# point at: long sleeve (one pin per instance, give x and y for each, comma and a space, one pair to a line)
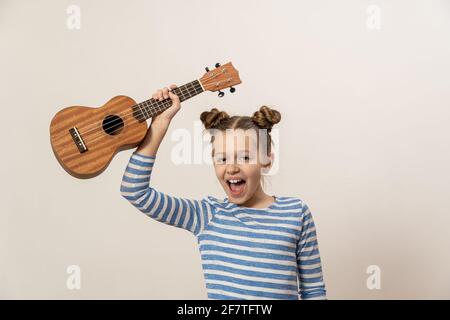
311, 283
192, 215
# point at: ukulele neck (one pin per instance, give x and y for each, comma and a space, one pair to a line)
151, 107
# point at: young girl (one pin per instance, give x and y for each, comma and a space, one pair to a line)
252, 245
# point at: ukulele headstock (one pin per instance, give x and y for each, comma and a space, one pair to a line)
223, 76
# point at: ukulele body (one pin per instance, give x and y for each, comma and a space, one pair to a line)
85, 139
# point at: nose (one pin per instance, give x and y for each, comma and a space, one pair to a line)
232, 168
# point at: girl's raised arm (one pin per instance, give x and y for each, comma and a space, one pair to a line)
192, 215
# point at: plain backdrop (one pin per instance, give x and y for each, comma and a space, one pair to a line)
364, 138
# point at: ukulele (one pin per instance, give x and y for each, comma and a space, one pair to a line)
85, 139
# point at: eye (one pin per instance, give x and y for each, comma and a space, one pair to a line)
244, 158
220, 160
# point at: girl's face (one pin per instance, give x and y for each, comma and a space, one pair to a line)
238, 162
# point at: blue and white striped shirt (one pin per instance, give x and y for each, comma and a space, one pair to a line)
246, 253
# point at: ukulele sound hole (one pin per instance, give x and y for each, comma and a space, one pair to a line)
112, 125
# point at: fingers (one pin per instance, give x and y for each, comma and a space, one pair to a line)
159, 95
174, 97
156, 95
164, 93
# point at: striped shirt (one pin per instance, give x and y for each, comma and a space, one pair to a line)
246, 253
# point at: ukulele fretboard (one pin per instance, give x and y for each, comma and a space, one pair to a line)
151, 107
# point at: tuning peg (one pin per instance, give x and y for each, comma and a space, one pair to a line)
207, 69
232, 89
221, 94
217, 65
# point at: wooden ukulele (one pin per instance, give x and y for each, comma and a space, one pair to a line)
85, 139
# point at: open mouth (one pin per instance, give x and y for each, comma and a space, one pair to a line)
236, 186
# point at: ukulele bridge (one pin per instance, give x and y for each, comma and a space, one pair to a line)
78, 140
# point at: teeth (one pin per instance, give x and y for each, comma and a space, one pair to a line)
234, 181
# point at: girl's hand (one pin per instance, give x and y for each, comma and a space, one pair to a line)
166, 116
160, 123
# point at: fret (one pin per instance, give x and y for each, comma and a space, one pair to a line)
175, 91
179, 93
199, 86
157, 107
190, 88
147, 109
194, 85
150, 107
187, 91
142, 116
144, 108
190, 83
161, 105
154, 108
144, 111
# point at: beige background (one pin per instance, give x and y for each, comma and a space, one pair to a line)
364, 138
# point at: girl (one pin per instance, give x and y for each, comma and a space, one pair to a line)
252, 245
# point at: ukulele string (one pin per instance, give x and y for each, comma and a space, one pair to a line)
118, 127
200, 86
152, 104
158, 106
141, 116
163, 103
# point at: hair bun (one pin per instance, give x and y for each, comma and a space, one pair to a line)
266, 117
212, 118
